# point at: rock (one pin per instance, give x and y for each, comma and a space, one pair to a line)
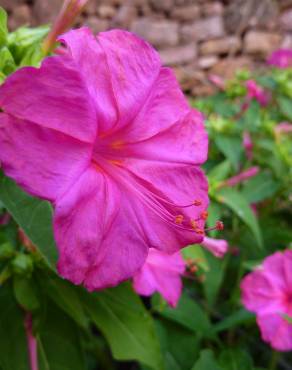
125, 16
162, 5
186, 13
21, 16
159, 33
203, 89
96, 24
106, 11
260, 42
286, 20
215, 8
287, 41
179, 55
227, 68
9, 5
220, 46
45, 11
204, 29
188, 76
207, 62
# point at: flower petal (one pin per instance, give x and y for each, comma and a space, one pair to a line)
98, 233
161, 272
163, 189
52, 96
260, 295
276, 331
119, 69
44, 162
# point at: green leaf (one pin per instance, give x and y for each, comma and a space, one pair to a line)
179, 345
260, 187
231, 147
220, 172
126, 324
59, 342
238, 203
32, 215
13, 346
239, 317
7, 64
285, 106
235, 359
25, 292
3, 27
206, 361
65, 295
188, 314
213, 278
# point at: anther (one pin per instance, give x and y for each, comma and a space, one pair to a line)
179, 219
199, 231
197, 202
218, 226
204, 215
194, 224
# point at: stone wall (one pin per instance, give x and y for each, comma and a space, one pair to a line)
196, 37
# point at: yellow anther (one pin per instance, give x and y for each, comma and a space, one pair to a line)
179, 219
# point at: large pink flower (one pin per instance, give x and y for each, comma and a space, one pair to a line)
161, 273
268, 292
254, 91
104, 133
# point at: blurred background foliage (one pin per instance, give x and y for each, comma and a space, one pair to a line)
115, 328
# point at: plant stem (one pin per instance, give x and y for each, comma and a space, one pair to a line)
31, 342
274, 360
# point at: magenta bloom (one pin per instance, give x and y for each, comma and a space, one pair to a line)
104, 133
254, 91
161, 273
267, 291
218, 247
248, 145
281, 58
283, 128
242, 176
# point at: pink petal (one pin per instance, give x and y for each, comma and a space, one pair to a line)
274, 270
98, 233
161, 272
260, 295
276, 331
171, 186
119, 69
44, 162
216, 246
53, 96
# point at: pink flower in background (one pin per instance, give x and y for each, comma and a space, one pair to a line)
281, 58
161, 273
105, 134
242, 176
267, 291
217, 81
248, 145
283, 128
254, 91
218, 247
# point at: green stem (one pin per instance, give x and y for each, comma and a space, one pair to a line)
274, 360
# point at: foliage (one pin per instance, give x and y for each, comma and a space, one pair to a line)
209, 329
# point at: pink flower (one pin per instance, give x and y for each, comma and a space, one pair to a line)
283, 127
281, 58
254, 91
267, 291
217, 81
68, 13
218, 247
106, 135
248, 145
242, 176
161, 273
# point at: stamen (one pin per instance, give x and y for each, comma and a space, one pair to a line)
197, 202
218, 226
194, 224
